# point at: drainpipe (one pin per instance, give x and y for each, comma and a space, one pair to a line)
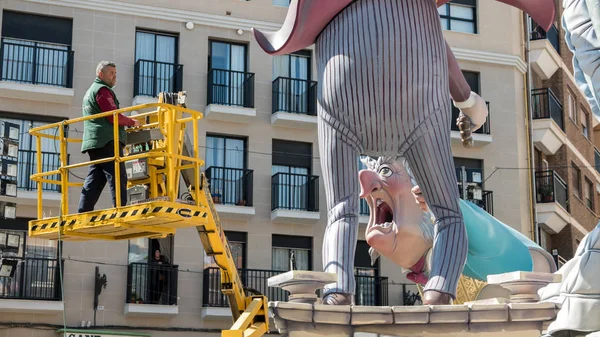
529, 121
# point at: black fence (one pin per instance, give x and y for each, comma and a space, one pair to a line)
230, 186
370, 290
36, 65
538, 33
294, 96
550, 187
295, 192
34, 279
486, 202
546, 105
255, 279
228, 87
27, 165
484, 129
152, 283
153, 77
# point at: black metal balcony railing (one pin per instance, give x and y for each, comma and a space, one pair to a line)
550, 187
153, 77
251, 278
486, 202
294, 96
295, 192
34, 279
231, 186
152, 283
485, 129
538, 33
545, 105
27, 165
370, 290
228, 87
597, 159
36, 65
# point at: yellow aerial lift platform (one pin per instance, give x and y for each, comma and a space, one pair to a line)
159, 153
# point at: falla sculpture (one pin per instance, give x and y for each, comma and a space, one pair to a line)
387, 80
401, 228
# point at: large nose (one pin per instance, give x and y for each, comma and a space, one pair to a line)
369, 182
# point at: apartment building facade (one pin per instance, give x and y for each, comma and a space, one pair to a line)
566, 141
258, 138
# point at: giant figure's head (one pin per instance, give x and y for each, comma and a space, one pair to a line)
398, 229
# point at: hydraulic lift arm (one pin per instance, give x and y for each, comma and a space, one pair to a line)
249, 312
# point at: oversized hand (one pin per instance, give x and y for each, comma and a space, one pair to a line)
419, 199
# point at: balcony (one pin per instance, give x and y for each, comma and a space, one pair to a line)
34, 288
481, 137
152, 77
294, 103
294, 198
151, 290
231, 190
545, 51
370, 290
548, 128
485, 201
230, 96
32, 72
551, 201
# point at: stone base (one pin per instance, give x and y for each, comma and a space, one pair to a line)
524, 286
490, 320
302, 284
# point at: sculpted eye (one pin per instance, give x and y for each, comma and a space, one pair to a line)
385, 171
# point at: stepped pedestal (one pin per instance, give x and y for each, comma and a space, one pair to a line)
519, 316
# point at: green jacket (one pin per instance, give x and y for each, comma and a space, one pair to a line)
98, 132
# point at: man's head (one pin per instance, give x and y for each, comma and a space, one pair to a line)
383, 184
107, 72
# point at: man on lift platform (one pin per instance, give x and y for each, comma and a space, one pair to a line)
98, 138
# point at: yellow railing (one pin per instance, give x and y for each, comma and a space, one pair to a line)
167, 118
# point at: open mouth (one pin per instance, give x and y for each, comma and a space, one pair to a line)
384, 216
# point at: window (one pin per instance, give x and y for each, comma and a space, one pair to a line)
283, 246
27, 163
155, 68
291, 78
227, 73
237, 244
584, 123
363, 206
459, 16
576, 180
293, 186
572, 107
225, 167
36, 49
589, 194
284, 3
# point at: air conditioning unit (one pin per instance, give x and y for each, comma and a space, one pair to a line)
8, 210
9, 148
8, 167
8, 187
10, 131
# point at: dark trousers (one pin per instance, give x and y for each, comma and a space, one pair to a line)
97, 177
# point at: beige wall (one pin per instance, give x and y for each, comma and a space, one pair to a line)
100, 35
